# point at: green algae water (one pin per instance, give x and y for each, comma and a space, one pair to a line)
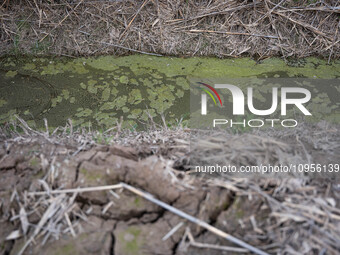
99, 91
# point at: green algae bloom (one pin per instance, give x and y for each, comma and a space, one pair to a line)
99, 90
11, 74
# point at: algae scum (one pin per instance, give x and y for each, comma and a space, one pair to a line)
99, 91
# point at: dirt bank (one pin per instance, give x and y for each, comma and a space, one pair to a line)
182, 28
265, 213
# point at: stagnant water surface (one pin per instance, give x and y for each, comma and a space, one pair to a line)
99, 91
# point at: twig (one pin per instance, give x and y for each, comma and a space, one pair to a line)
229, 33
25, 126
212, 246
70, 225
325, 9
172, 231
333, 43
78, 190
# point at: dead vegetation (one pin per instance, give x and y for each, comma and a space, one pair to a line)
306, 144
61, 190
187, 28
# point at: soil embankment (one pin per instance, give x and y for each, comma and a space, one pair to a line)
262, 213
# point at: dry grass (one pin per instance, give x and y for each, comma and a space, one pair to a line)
306, 144
191, 28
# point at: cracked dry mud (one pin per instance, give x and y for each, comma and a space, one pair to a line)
132, 225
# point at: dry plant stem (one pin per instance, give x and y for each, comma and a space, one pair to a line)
336, 32
78, 190
212, 246
325, 9
172, 231
229, 33
25, 126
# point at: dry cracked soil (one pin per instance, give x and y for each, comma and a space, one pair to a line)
130, 224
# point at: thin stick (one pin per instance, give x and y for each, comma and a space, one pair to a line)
213, 246
172, 231
336, 32
229, 33
325, 9
78, 190
194, 220
25, 125
70, 225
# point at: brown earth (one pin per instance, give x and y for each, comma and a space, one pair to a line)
129, 215
273, 215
